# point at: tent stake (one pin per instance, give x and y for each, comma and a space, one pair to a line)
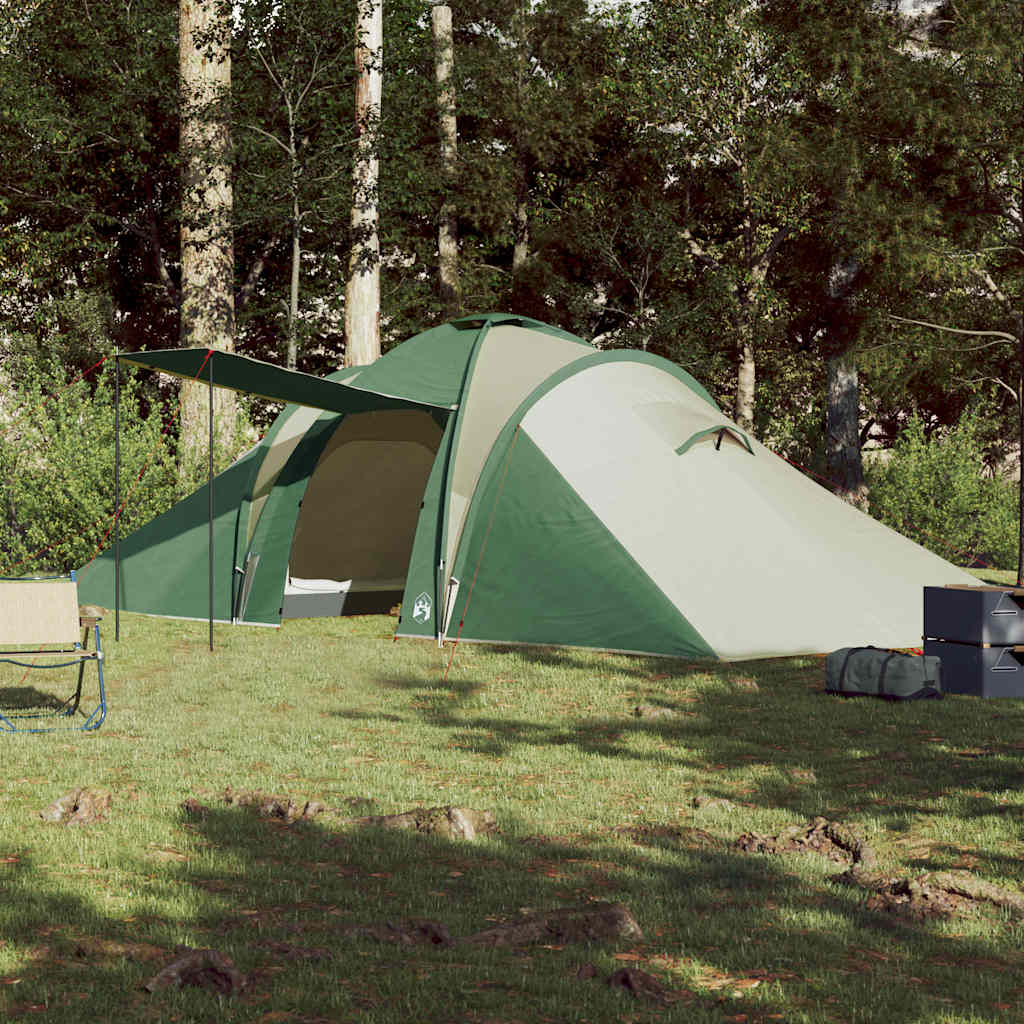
117, 495
209, 452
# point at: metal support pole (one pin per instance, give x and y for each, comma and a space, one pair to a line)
117, 495
210, 485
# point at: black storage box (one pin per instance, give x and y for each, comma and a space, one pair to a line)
980, 671
974, 615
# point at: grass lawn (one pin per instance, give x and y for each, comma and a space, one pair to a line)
593, 803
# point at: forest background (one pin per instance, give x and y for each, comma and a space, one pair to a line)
816, 207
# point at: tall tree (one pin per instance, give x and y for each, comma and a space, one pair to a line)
292, 79
362, 295
89, 188
974, 146
720, 92
526, 111
864, 99
854, 79
448, 226
207, 252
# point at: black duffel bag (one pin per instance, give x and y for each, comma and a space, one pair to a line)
875, 672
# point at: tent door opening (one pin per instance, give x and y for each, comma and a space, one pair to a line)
356, 524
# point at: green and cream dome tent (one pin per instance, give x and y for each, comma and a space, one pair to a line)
506, 482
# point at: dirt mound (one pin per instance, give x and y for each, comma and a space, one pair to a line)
451, 822
82, 806
199, 968
831, 839
286, 808
940, 894
410, 932
595, 922
658, 835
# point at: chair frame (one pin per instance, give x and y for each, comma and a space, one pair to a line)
63, 644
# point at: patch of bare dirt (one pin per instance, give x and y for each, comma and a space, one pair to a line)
192, 808
654, 711
409, 932
641, 985
710, 803
89, 947
595, 922
637, 983
655, 835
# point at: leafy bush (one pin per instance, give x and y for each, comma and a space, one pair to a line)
938, 492
57, 467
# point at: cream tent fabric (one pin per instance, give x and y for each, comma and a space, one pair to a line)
508, 365
760, 558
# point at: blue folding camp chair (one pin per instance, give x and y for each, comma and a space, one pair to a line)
39, 629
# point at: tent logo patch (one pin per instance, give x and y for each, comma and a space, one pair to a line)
421, 608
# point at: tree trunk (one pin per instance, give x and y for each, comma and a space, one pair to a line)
521, 229
362, 295
448, 230
842, 429
746, 364
295, 174
293, 297
1019, 317
1018, 323
842, 397
207, 255
521, 215
746, 379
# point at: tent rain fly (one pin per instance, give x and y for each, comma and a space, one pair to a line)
504, 481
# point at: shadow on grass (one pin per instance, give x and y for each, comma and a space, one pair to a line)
458, 690
757, 937
20, 697
743, 934
766, 736
368, 716
572, 658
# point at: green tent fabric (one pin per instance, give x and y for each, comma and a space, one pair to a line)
254, 377
504, 481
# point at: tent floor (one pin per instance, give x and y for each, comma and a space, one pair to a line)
307, 599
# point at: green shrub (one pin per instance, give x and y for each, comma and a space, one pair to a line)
57, 469
938, 492
57, 466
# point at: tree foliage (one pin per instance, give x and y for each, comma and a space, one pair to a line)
754, 189
56, 467
937, 491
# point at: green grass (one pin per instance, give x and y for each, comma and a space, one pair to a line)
337, 711
999, 577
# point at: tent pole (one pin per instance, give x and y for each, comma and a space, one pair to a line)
209, 452
117, 495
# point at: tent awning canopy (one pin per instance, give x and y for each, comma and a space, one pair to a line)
255, 377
